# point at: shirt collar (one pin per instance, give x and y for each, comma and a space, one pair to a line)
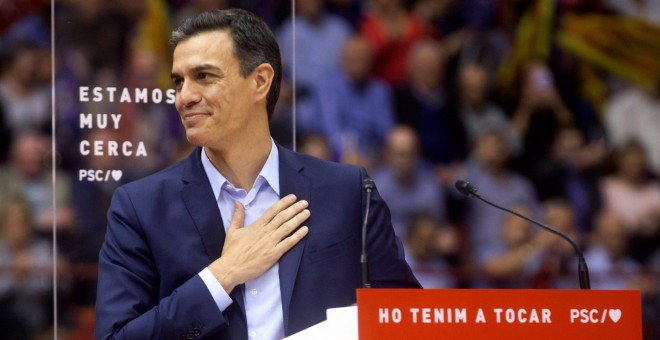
270, 172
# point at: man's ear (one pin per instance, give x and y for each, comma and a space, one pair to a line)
263, 78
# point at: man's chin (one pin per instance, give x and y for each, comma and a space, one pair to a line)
194, 138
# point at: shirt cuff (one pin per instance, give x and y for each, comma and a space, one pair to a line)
220, 296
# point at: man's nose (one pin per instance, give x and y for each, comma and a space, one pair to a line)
188, 95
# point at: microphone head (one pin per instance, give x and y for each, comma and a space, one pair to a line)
368, 184
465, 188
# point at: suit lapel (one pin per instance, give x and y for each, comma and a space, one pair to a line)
198, 198
292, 181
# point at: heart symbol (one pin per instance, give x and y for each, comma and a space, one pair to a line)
615, 315
116, 174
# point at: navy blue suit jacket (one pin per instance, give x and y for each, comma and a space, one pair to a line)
165, 228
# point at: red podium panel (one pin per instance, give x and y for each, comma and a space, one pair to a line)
498, 314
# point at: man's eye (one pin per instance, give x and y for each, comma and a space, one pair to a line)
177, 82
202, 76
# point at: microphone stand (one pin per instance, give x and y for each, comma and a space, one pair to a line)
583, 272
368, 186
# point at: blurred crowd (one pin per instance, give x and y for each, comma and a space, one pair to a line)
550, 108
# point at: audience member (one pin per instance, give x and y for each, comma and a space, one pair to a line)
558, 261
353, 108
609, 266
87, 31
427, 242
156, 124
441, 14
24, 94
27, 175
405, 182
27, 274
539, 113
318, 39
634, 198
350, 10
282, 122
422, 103
571, 172
516, 263
477, 112
392, 30
488, 171
632, 113
316, 145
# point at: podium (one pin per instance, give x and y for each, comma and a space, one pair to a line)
484, 314
499, 314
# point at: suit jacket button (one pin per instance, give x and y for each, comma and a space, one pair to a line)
197, 332
191, 335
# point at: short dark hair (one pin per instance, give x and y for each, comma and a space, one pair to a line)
254, 43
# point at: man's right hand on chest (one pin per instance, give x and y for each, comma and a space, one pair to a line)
250, 251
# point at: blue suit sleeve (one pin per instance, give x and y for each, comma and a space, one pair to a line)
128, 304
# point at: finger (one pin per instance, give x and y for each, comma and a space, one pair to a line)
276, 208
292, 240
287, 214
238, 219
289, 226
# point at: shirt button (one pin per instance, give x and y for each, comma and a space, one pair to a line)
247, 206
254, 291
253, 334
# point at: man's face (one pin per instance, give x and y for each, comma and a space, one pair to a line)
357, 59
214, 101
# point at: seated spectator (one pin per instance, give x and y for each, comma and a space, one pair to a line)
488, 171
318, 38
156, 124
352, 108
572, 172
476, 111
633, 114
404, 182
422, 103
27, 274
539, 114
609, 266
558, 261
634, 198
517, 262
315, 145
26, 175
24, 96
426, 243
392, 31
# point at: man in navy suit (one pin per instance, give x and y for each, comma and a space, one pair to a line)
243, 238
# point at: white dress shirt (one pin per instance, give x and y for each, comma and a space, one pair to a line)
263, 300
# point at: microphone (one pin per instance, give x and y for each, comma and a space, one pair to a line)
368, 186
468, 190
